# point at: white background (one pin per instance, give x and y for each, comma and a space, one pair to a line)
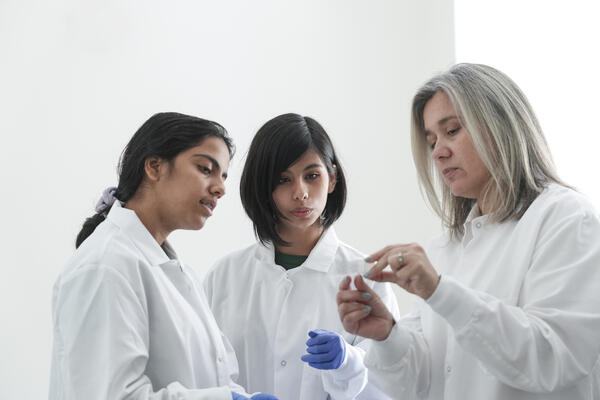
78, 78
551, 49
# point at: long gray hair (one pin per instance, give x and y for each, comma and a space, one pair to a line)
506, 135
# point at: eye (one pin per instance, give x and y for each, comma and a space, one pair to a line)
453, 132
312, 176
205, 170
432, 145
283, 180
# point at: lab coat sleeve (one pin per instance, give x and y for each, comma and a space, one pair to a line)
550, 340
102, 327
351, 380
233, 366
400, 365
384, 290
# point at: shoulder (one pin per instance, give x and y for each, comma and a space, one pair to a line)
559, 204
347, 252
106, 245
348, 260
106, 255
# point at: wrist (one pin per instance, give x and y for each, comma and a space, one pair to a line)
426, 295
389, 326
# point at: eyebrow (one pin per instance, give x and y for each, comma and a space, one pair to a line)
441, 122
213, 161
311, 166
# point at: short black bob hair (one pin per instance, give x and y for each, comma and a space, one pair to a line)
276, 146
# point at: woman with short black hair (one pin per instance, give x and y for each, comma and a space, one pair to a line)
269, 296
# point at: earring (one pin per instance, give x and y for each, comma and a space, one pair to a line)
323, 216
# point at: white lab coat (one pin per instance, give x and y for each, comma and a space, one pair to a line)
516, 314
131, 322
266, 312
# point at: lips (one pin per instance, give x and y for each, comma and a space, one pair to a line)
301, 212
449, 172
209, 205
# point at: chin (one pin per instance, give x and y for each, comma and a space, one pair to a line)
461, 192
196, 225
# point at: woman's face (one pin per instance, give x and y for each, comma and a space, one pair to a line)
191, 184
452, 149
301, 194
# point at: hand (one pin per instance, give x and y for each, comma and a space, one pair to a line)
263, 396
326, 349
362, 312
237, 396
415, 274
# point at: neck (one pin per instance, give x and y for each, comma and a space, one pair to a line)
301, 241
147, 212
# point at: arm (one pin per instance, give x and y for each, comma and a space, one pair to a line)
557, 322
397, 359
103, 331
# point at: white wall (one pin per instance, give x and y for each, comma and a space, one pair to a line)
550, 48
78, 78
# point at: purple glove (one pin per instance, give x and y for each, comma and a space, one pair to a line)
326, 349
263, 396
237, 396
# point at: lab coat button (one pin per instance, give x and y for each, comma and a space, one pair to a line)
283, 363
448, 369
478, 225
220, 359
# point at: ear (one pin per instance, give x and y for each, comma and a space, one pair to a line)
154, 167
332, 180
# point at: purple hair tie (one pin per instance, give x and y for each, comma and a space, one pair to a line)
106, 200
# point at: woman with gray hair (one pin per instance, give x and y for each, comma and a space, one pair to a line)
507, 305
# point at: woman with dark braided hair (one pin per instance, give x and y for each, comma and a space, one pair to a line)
130, 320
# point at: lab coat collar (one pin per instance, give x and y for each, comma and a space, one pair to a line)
128, 221
320, 258
475, 215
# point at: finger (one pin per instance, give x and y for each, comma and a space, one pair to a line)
321, 339
347, 308
353, 296
354, 317
377, 255
317, 332
362, 286
382, 262
345, 283
376, 269
317, 349
384, 276
318, 358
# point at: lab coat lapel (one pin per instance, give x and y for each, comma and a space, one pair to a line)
322, 255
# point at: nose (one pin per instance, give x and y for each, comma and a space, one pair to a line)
440, 151
300, 191
218, 187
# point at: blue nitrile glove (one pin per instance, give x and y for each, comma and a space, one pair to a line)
326, 349
263, 396
237, 396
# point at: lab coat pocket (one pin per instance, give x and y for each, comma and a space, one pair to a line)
311, 387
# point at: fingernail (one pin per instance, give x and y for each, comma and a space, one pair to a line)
348, 279
366, 295
368, 258
366, 274
367, 309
